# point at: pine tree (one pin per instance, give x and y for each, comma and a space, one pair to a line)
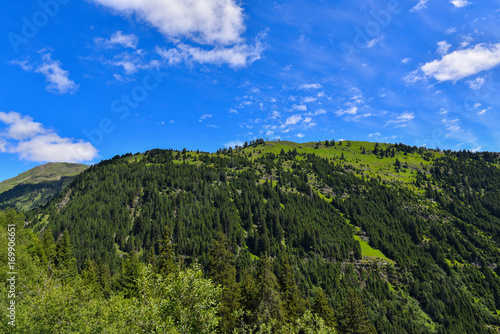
165, 263
64, 263
323, 309
353, 317
270, 306
293, 302
223, 272
49, 246
130, 273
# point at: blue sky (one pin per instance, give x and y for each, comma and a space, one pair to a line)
86, 80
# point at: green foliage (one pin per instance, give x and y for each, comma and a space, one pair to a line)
273, 224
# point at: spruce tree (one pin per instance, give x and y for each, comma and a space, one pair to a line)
165, 263
323, 309
223, 272
292, 299
64, 263
353, 317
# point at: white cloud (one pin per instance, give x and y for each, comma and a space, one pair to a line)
450, 30
317, 112
131, 62
57, 78
420, 5
300, 107
292, 120
400, 121
443, 47
233, 111
236, 56
216, 25
482, 112
406, 60
233, 143
477, 149
309, 99
119, 38
477, 83
460, 3
301, 135
350, 111
205, 116
210, 22
310, 86
20, 127
375, 41
464, 63
376, 134
33, 142
24, 64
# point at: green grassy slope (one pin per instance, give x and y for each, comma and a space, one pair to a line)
38, 185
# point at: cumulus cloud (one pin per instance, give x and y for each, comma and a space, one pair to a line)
57, 79
205, 21
216, 25
33, 142
119, 38
292, 120
301, 135
461, 64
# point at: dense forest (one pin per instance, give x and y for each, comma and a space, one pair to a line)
270, 237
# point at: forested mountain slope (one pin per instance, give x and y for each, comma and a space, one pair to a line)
412, 233
38, 185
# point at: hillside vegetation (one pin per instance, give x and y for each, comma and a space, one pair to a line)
38, 185
348, 237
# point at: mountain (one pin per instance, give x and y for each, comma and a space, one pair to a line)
385, 238
38, 185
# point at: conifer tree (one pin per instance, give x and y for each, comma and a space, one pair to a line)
353, 317
165, 262
130, 273
323, 309
64, 263
223, 272
293, 302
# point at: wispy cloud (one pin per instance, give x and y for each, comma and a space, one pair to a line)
310, 86
118, 38
57, 78
205, 116
400, 121
419, 6
33, 142
477, 83
443, 47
